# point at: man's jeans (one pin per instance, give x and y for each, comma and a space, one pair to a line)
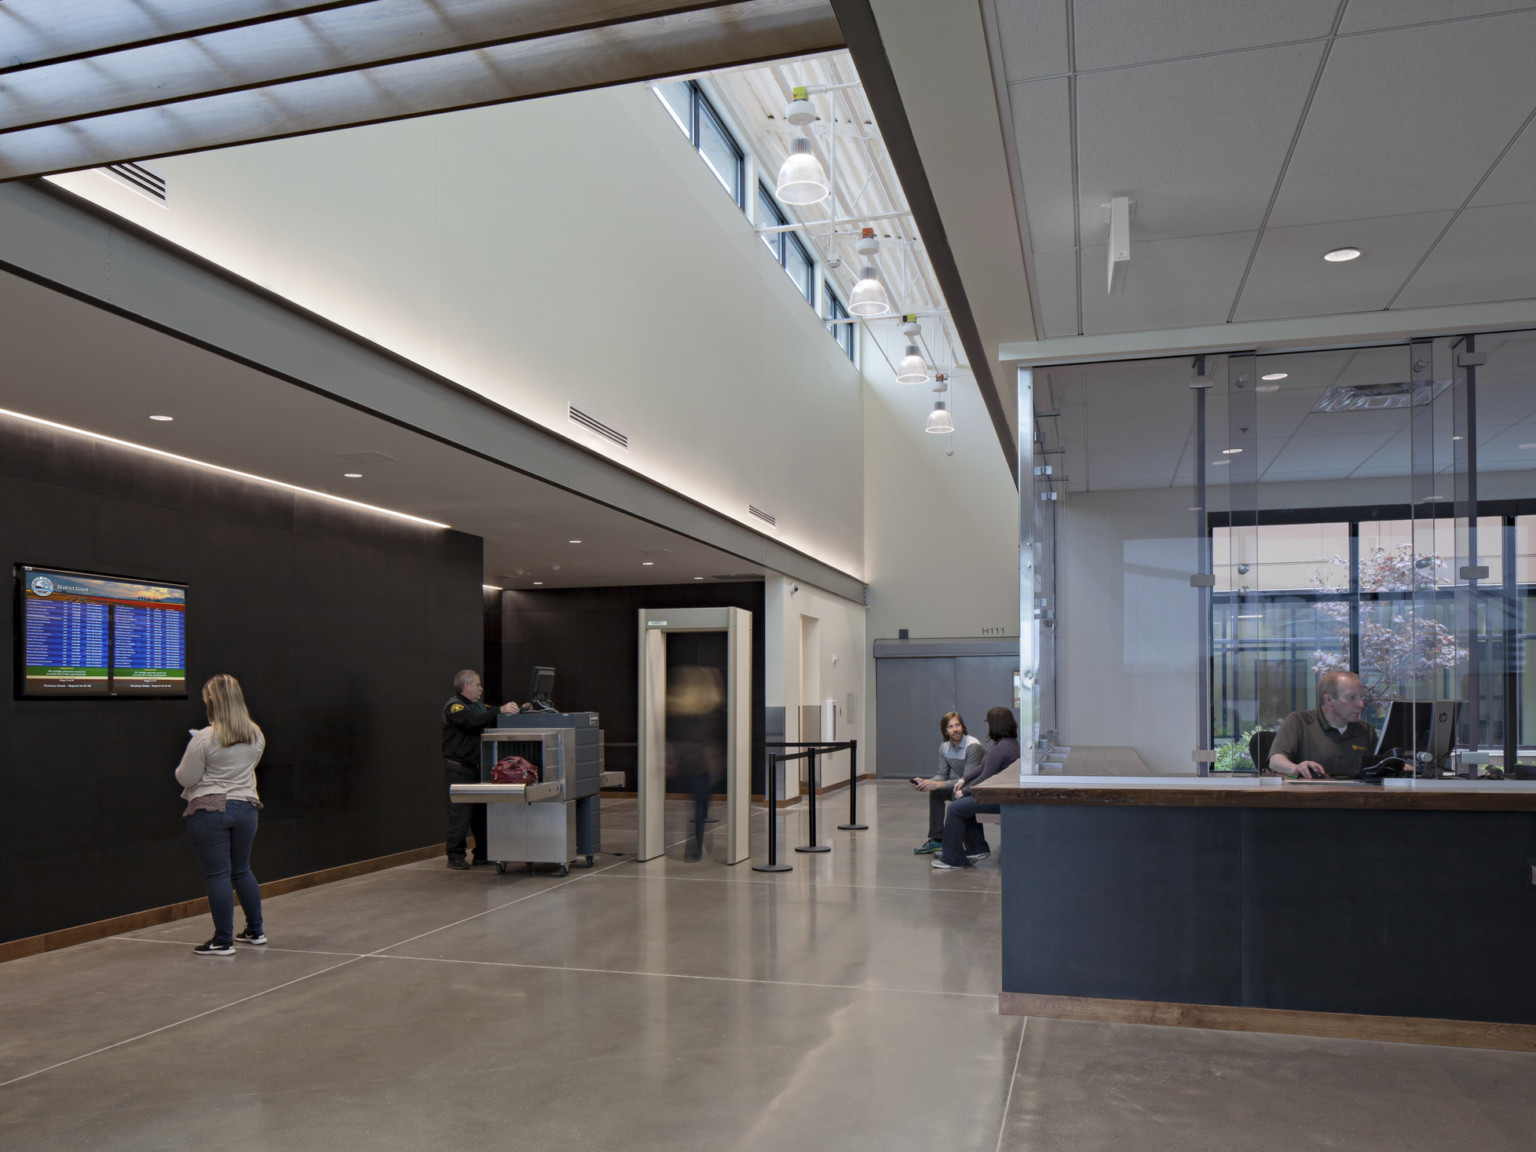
222, 841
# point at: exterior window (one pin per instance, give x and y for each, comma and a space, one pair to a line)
832, 309
697, 117
787, 248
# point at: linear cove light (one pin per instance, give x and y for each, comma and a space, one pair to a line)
104, 439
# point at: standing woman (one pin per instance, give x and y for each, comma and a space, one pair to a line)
218, 778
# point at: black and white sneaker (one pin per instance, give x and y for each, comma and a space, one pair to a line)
975, 856
249, 937
214, 948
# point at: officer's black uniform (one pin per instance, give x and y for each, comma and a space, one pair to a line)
463, 721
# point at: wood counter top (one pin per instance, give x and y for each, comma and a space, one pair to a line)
1259, 792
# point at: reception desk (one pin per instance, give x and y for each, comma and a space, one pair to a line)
1403, 911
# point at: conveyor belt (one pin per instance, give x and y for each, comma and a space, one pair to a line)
504, 793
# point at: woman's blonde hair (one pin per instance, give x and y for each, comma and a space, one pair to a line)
232, 724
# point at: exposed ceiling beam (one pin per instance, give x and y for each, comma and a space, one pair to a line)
356, 35
37, 32
868, 51
679, 42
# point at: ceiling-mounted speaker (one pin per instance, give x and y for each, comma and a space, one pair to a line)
1119, 242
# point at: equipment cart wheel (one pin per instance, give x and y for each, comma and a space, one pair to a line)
501, 867
565, 869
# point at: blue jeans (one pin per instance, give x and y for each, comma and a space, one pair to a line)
222, 841
962, 832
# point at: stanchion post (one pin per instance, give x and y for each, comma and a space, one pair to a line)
813, 846
853, 824
770, 801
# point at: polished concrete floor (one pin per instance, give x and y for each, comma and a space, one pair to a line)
850, 1003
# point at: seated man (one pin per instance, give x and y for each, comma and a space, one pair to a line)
964, 843
960, 755
1329, 740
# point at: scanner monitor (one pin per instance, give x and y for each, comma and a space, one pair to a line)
541, 688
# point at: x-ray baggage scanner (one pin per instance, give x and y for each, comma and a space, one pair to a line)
655, 623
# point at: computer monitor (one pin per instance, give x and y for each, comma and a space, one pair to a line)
541, 688
1413, 726
1442, 730
1406, 727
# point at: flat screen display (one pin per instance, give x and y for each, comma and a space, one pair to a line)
84, 634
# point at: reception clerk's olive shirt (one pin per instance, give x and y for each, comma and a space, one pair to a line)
1308, 736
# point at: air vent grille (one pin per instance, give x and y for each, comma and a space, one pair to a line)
761, 515
592, 424
140, 179
1375, 397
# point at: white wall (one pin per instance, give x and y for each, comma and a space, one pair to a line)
941, 539
566, 250
838, 669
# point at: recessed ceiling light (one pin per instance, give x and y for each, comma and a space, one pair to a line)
573, 541
1455, 437
647, 563
1274, 376
1196, 508
1230, 451
163, 419
538, 582
351, 475
1339, 255
1524, 447
698, 577
1219, 463
1266, 387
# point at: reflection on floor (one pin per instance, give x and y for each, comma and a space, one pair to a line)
849, 1003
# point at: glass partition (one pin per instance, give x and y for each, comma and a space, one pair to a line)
1215, 532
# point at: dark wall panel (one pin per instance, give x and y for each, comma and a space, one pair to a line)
344, 627
591, 638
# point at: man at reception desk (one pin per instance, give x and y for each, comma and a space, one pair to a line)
1329, 740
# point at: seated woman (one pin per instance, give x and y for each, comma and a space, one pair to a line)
964, 841
959, 754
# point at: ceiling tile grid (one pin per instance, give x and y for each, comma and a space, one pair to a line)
1301, 126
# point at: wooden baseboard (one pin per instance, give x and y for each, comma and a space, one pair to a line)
1230, 1018
100, 929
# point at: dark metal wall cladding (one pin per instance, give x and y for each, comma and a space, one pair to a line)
591, 637
344, 628
1391, 913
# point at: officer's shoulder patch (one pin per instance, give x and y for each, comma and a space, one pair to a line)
455, 707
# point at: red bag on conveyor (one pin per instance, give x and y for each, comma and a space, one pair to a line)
514, 770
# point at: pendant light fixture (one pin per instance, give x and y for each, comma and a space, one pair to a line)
868, 297
939, 420
912, 369
802, 180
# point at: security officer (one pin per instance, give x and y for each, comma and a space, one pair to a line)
463, 719
1329, 740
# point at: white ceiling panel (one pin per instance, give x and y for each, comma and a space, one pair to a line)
1513, 180
1170, 284
1364, 15
1131, 467
1335, 426
1042, 127
1056, 288
1112, 33
1137, 380
1198, 144
1147, 422
1504, 401
1290, 277
1034, 37
1488, 254
1508, 356
1409, 121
